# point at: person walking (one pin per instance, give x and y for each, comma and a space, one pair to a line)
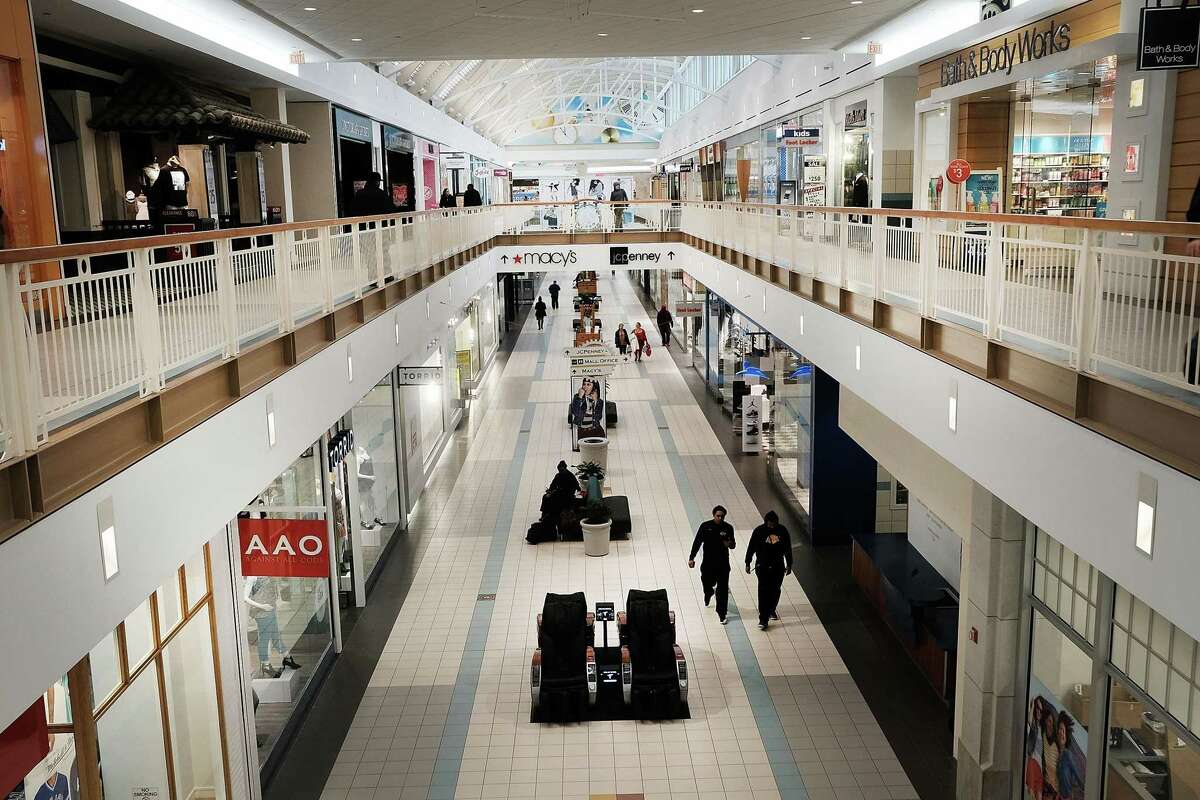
621, 340
448, 200
370, 199
554, 290
664, 325
618, 198
716, 537
539, 311
471, 197
639, 333
771, 545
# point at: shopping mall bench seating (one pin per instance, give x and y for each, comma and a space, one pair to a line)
618, 509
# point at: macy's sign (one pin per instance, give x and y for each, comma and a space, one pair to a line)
284, 548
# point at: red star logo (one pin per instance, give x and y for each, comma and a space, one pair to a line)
516, 259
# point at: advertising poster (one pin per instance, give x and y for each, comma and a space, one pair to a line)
56, 777
752, 409
284, 548
983, 192
1055, 748
586, 414
813, 191
429, 172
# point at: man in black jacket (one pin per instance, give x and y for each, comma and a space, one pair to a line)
772, 545
371, 199
664, 325
554, 290
618, 198
471, 197
716, 536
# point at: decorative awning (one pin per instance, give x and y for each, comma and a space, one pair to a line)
155, 101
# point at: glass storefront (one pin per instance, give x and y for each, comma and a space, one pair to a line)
155, 705
376, 472
431, 421
1143, 692
791, 445
287, 620
1062, 138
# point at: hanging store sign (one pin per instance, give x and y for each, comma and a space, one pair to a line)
689, 309
499, 173
284, 548
1026, 44
686, 166
351, 126
594, 359
420, 376
481, 173
397, 140
856, 114
1169, 37
803, 137
340, 446
454, 161
23, 744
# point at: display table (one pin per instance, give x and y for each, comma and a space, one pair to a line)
278, 690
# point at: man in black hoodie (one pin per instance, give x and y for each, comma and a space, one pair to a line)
772, 545
716, 536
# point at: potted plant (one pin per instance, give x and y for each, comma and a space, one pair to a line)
597, 526
591, 475
595, 448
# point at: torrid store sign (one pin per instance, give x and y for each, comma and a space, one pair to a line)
284, 548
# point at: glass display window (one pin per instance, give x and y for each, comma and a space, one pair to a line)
1062, 140
1056, 715
154, 726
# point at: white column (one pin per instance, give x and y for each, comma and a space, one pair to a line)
989, 632
277, 164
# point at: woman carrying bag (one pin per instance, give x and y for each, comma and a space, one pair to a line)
639, 333
621, 340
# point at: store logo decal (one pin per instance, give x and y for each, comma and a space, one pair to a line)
552, 257
1027, 45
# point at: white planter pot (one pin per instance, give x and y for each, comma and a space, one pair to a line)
594, 449
596, 538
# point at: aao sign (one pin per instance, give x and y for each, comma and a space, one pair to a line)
284, 548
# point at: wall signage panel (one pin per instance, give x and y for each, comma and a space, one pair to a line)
1018, 47
1169, 37
284, 548
351, 126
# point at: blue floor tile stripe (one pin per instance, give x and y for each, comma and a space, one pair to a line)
458, 721
770, 729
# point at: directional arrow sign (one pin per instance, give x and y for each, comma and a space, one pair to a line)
594, 359
671, 254
504, 259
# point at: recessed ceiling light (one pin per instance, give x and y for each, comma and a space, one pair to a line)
806, 38
602, 34
697, 10
355, 39
856, 2
309, 8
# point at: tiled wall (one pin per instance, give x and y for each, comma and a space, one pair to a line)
897, 178
888, 519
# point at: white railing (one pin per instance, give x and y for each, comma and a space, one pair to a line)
85, 325
1104, 296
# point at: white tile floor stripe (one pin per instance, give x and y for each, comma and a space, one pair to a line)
392, 747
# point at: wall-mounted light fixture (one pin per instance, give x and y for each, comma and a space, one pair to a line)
397, 323
801, 324
107, 525
349, 364
952, 407
858, 356
270, 421
1146, 512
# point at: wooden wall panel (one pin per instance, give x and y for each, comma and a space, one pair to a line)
983, 135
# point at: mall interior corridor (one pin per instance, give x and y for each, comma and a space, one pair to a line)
446, 712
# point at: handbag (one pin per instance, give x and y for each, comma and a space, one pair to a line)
647, 349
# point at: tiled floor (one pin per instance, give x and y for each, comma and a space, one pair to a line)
446, 714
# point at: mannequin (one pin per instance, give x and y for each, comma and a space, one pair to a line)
151, 171
367, 512
170, 187
261, 594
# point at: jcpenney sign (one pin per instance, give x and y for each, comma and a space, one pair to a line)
1016, 48
284, 548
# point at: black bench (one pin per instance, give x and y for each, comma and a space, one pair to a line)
618, 509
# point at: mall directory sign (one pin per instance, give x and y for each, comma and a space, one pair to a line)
284, 548
1169, 37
